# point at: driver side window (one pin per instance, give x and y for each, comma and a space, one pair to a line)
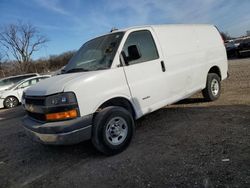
145, 44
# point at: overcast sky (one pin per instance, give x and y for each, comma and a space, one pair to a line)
70, 23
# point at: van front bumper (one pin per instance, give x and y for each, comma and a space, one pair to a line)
61, 132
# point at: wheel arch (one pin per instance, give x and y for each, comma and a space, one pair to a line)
215, 69
12, 96
118, 101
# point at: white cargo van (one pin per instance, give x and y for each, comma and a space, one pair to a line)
116, 78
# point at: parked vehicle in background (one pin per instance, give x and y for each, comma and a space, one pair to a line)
239, 47
244, 48
231, 48
119, 77
237, 41
7, 82
12, 96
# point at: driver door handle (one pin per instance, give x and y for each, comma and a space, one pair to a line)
163, 66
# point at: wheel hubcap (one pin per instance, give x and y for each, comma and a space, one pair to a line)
215, 87
116, 130
11, 102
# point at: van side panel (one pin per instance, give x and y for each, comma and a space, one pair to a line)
192, 50
211, 49
176, 39
179, 45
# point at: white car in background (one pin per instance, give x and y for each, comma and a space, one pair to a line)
7, 82
12, 96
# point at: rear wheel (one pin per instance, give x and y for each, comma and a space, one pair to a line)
213, 87
10, 102
113, 130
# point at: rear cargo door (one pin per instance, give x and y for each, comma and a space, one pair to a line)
145, 76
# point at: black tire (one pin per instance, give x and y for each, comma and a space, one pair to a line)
102, 139
10, 102
213, 87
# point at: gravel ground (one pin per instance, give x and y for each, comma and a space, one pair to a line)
190, 144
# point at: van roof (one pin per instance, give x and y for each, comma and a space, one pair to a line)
163, 25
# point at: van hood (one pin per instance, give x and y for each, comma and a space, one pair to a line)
57, 83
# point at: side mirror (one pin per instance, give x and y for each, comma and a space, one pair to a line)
133, 53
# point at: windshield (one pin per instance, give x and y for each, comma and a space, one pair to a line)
96, 54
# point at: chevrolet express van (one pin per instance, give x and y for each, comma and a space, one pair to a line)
117, 78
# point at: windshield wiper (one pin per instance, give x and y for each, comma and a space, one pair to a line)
74, 70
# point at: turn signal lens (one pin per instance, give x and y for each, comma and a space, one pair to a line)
62, 115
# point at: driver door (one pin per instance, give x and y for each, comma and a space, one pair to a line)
145, 75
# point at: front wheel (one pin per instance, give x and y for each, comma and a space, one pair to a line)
213, 87
10, 102
113, 130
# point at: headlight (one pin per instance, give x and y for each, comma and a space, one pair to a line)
62, 106
61, 99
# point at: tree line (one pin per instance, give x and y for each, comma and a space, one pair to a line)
42, 65
18, 42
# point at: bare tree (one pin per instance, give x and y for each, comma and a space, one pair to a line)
22, 40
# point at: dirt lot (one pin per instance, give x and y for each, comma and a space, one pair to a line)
189, 144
